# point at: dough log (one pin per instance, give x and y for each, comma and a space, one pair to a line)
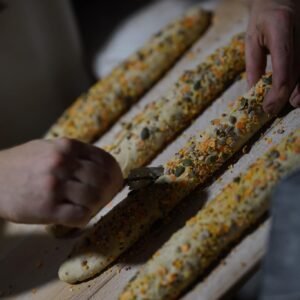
95, 111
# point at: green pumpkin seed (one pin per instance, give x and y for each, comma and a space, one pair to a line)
237, 179
232, 120
243, 103
145, 134
267, 80
187, 162
274, 154
197, 85
179, 171
211, 159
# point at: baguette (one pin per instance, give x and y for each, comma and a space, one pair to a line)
162, 120
192, 165
223, 221
94, 112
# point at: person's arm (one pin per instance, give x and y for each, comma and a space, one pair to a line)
58, 181
274, 28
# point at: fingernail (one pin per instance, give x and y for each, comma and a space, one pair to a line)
271, 108
296, 101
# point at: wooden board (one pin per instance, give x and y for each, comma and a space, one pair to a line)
30, 258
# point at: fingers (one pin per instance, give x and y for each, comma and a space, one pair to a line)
71, 215
255, 59
57, 161
295, 98
101, 179
93, 190
58, 209
109, 166
273, 26
82, 195
91, 174
107, 163
81, 151
88, 176
281, 45
66, 169
78, 203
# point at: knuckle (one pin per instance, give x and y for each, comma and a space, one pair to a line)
295, 102
85, 194
66, 144
50, 186
56, 159
105, 178
282, 86
91, 168
78, 216
260, 25
283, 15
90, 196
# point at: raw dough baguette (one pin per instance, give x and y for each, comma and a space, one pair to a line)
223, 221
92, 113
162, 120
191, 166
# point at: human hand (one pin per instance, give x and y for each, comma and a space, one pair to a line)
274, 27
57, 181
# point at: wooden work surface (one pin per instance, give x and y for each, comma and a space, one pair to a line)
30, 258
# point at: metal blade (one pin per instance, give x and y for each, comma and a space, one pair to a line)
142, 177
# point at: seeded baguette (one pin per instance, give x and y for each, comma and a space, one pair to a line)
203, 154
223, 221
162, 120
93, 112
